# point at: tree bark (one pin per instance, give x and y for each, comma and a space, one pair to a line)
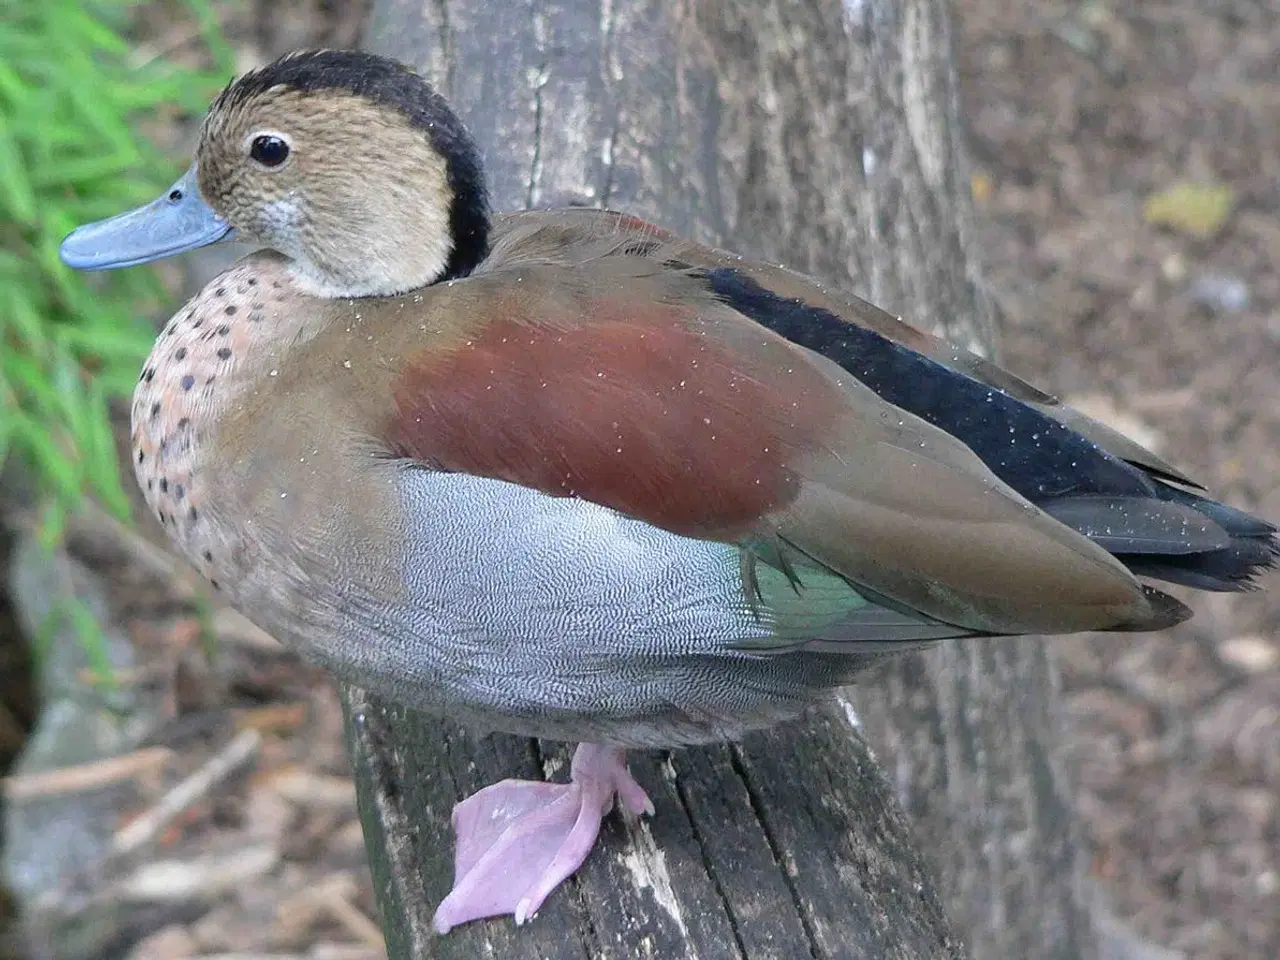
825, 136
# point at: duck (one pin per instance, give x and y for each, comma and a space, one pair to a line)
562, 473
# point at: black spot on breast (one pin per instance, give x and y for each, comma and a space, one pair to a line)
230, 310
220, 292
141, 456
164, 484
181, 354
184, 423
253, 281
223, 330
193, 514
148, 374
188, 382
224, 353
179, 491
155, 410
208, 556
214, 583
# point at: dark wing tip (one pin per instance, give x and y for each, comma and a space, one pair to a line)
1166, 612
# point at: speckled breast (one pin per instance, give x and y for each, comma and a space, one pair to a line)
207, 356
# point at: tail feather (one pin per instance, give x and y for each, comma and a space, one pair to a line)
1235, 522
1180, 538
1220, 571
1142, 525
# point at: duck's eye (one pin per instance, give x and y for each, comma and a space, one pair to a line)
269, 151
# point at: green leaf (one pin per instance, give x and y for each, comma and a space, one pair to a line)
115, 341
12, 89
6, 423
81, 170
22, 315
224, 54
94, 643
52, 462
93, 32
15, 188
53, 524
99, 447
71, 93
29, 380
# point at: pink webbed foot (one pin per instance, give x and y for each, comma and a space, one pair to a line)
520, 839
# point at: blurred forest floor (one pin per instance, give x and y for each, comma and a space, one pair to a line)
1125, 170
1127, 177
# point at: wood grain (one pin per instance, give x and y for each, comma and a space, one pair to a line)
824, 135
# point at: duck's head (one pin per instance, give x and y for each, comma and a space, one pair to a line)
349, 164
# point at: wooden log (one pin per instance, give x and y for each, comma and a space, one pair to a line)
823, 135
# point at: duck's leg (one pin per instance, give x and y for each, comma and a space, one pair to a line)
519, 839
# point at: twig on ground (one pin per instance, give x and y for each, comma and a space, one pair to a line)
238, 751
202, 878
85, 776
331, 897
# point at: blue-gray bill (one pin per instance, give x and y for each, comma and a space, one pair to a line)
175, 222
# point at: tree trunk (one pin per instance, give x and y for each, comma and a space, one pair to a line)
825, 136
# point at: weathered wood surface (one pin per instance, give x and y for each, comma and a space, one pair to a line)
823, 135
785, 847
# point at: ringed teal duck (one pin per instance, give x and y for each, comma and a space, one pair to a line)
564, 474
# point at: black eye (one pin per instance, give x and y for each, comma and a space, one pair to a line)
269, 151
